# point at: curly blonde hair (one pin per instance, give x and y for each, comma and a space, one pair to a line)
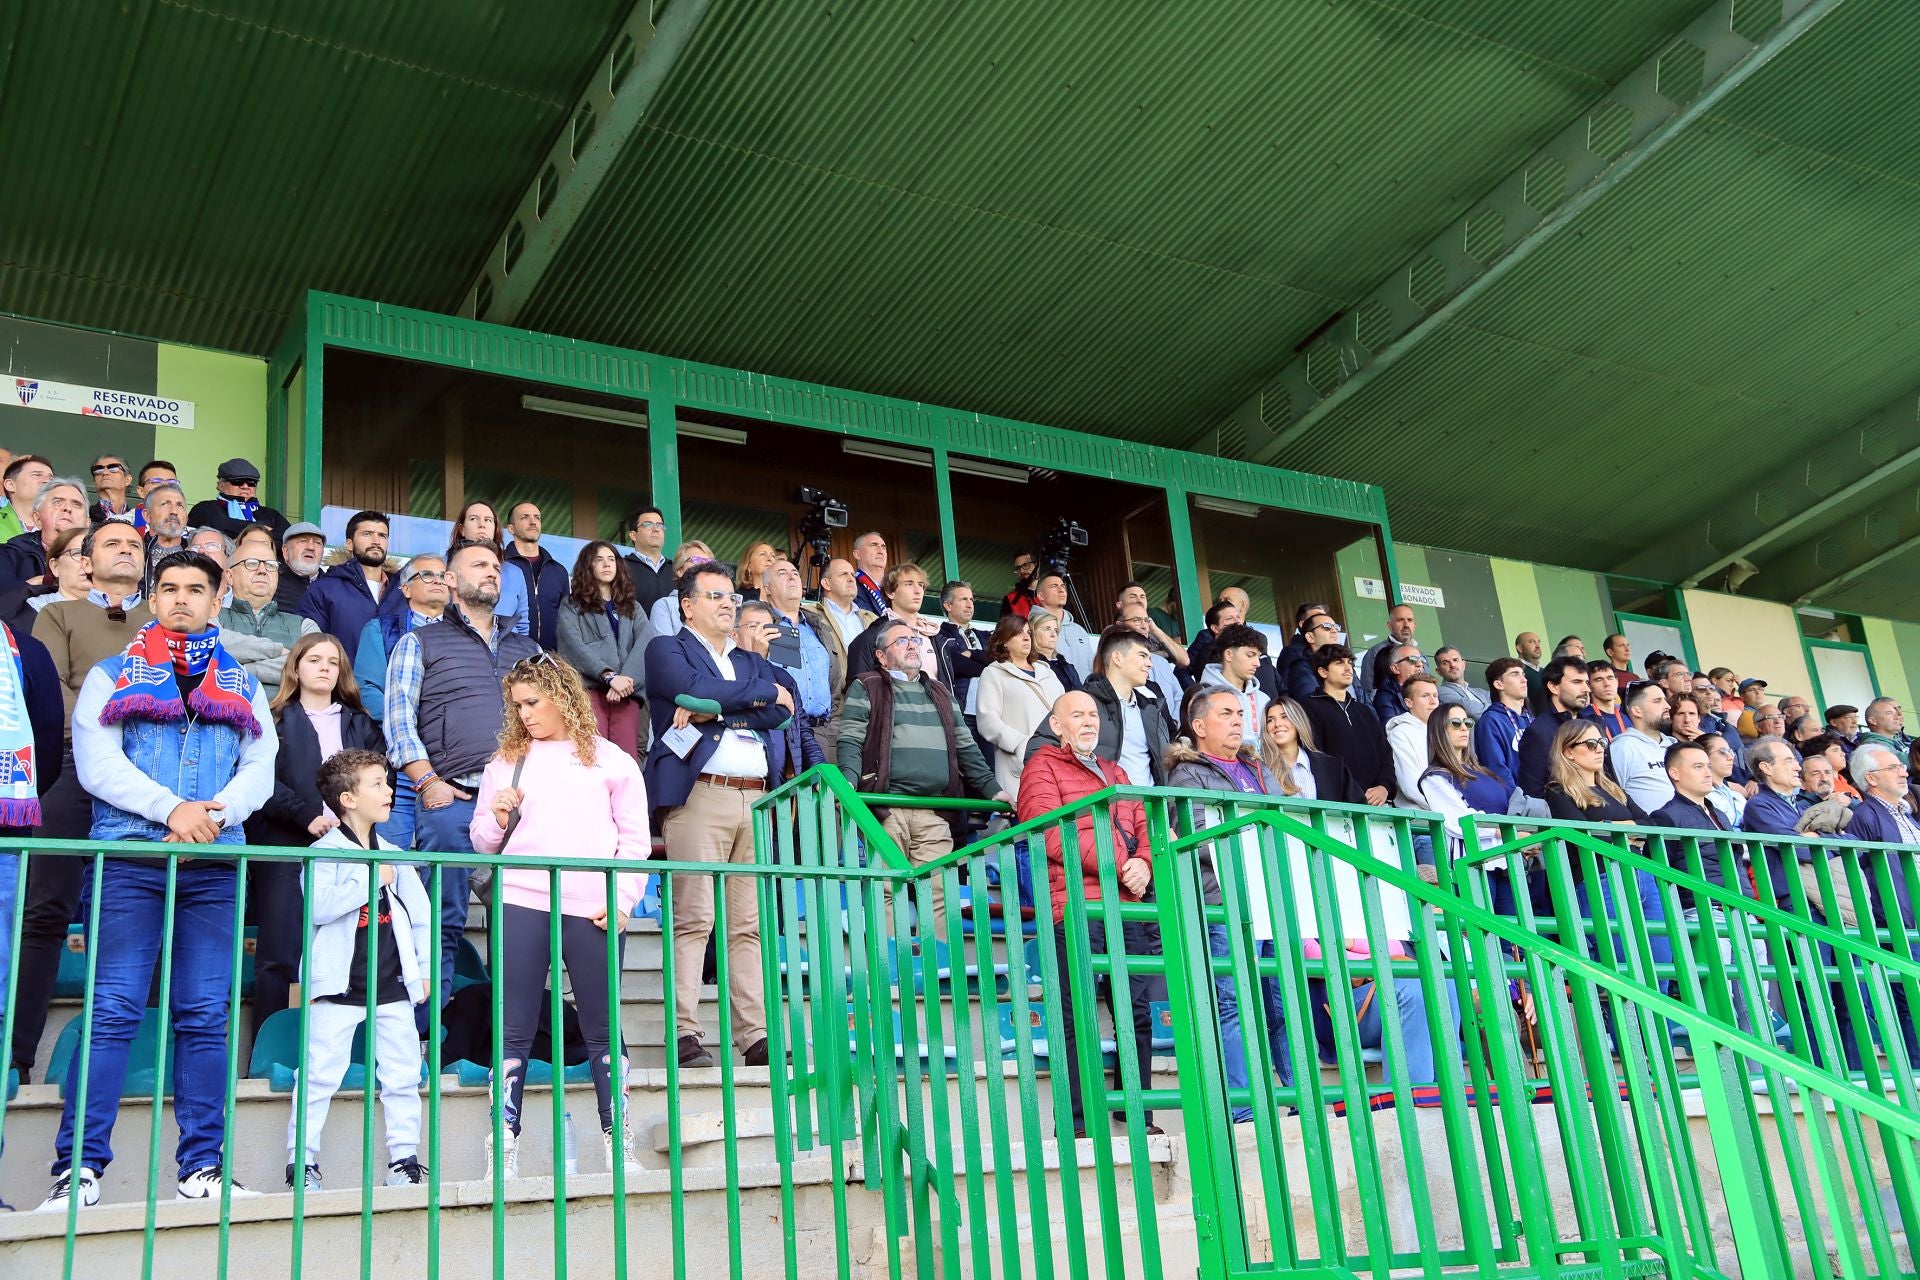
560, 683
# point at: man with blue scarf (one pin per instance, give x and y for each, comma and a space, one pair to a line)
174, 741
238, 484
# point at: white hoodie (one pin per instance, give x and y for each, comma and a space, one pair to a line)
338, 891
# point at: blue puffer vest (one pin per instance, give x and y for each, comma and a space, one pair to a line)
191, 758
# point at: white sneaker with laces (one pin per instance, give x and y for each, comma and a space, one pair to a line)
626, 1145
89, 1183
204, 1184
510, 1156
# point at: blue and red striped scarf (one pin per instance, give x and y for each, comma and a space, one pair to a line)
147, 689
19, 770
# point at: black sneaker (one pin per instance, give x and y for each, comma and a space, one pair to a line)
406, 1173
756, 1054
693, 1053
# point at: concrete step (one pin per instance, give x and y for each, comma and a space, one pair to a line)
260, 1246
257, 1148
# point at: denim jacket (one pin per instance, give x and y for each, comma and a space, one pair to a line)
137, 771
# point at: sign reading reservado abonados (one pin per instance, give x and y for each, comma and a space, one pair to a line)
100, 402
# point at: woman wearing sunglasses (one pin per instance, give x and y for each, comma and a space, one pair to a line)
1579, 790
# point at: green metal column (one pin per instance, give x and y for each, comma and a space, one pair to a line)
1186, 570
311, 430
663, 443
943, 492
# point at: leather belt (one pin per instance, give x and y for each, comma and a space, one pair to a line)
736, 784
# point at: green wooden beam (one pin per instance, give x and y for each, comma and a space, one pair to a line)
1629, 125
1859, 571
621, 87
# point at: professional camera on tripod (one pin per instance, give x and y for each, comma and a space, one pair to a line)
1057, 546
816, 532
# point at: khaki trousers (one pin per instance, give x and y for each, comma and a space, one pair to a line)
716, 825
923, 835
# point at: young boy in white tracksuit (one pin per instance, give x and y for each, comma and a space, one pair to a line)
355, 786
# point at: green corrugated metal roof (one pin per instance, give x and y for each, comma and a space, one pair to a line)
188, 171
1117, 217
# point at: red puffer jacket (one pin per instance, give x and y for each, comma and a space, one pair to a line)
1054, 778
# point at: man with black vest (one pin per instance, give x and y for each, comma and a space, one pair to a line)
443, 719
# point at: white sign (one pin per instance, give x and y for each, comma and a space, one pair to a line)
100, 402
1432, 597
1410, 593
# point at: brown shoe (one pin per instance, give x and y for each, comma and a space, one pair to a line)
756, 1053
693, 1053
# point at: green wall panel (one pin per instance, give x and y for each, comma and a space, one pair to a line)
1472, 621
1573, 604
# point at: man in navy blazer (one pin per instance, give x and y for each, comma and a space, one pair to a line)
708, 787
1691, 774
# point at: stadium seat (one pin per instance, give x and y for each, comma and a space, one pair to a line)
142, 1057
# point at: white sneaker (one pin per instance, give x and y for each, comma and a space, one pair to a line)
56, 1200
204, 1184
510, 1155
626, 1145
406, 1173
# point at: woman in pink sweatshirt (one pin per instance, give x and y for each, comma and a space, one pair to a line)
576, 795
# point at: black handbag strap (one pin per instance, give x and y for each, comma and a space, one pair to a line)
513, 819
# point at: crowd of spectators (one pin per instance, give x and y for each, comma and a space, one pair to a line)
198, 673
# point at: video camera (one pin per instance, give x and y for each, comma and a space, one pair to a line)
816, 527
1057, 545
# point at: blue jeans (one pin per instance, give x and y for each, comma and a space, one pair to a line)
1233, 1049
1415, 1025
1276, 1021
132, 916
445, 831
1652, 910
397, 830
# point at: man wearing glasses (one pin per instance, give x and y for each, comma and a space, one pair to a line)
1021, 599
705, 771
238, 483
1882, 816
111, 480
648, 565
253, 628
1314, 627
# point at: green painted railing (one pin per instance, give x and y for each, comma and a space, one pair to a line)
1645, 1120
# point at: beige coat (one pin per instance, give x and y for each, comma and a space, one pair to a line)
1013, 703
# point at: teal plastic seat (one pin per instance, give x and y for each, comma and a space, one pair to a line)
142, 1058
539, 1072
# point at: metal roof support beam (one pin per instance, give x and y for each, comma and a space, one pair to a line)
1628, 126
1874, 438
623, 86
1859, 571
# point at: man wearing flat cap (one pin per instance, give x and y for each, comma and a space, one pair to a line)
238, 505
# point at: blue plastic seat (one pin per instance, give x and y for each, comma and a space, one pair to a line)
539, 1072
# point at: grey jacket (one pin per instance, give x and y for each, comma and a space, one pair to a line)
587, 641
1189, 770
338, 890
261, 638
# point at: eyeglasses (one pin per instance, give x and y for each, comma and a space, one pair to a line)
253, 565
110, 468
244, 484
430, 575
901, 640
651, 524
1585, 742
719, 595
543, 659
1457, 722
